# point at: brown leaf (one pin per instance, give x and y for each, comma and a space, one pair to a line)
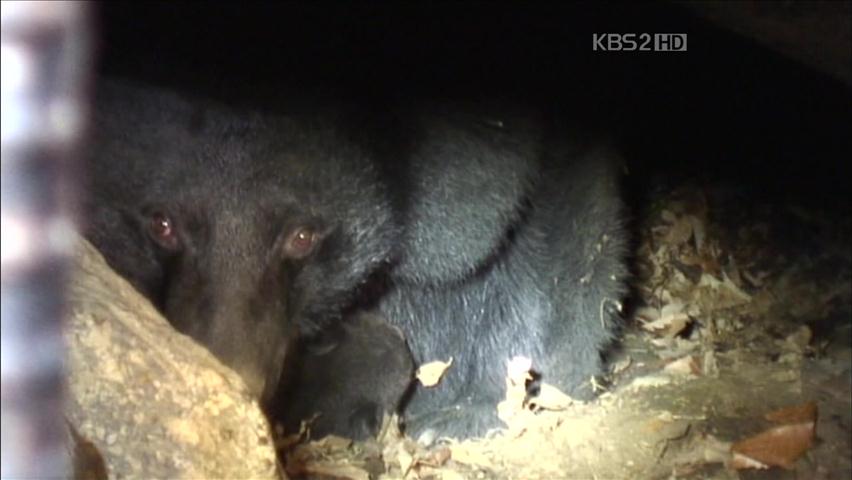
440, 456
679, 233
668, 325
470, 454
806, 412
687, 365
779, 446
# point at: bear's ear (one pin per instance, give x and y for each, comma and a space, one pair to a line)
117, 235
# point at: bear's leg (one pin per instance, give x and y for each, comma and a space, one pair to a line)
480, 325
581, 213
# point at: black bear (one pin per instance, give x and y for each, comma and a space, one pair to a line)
490, 234
512, 244
247, 232
345, 380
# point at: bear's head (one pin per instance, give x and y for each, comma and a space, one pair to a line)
245, 231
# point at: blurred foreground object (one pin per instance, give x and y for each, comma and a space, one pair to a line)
45, 65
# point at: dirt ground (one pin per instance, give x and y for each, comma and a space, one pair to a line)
735, 362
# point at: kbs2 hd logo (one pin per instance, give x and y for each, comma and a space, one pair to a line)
639, 42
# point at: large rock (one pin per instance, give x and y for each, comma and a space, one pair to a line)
148, 400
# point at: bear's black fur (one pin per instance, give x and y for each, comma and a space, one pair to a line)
512, 244
490, 233
233, 189
346, 380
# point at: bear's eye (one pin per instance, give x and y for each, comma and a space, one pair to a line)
300, 243
162, 229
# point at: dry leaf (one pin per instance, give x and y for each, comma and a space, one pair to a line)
663, 342
710, 367
714, 450
687, 365
451, 475
779, 446
806, 412
679, 233
756, 280
469, 455
649, 381
431, 373
646, 314
668, 216
670, 321
517, 375
333, 442
621, 365
727, 293
518, 370
800, 339
675, 324
337, 471
741, 462
405, 460
550, 398
698, 231
441, 455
